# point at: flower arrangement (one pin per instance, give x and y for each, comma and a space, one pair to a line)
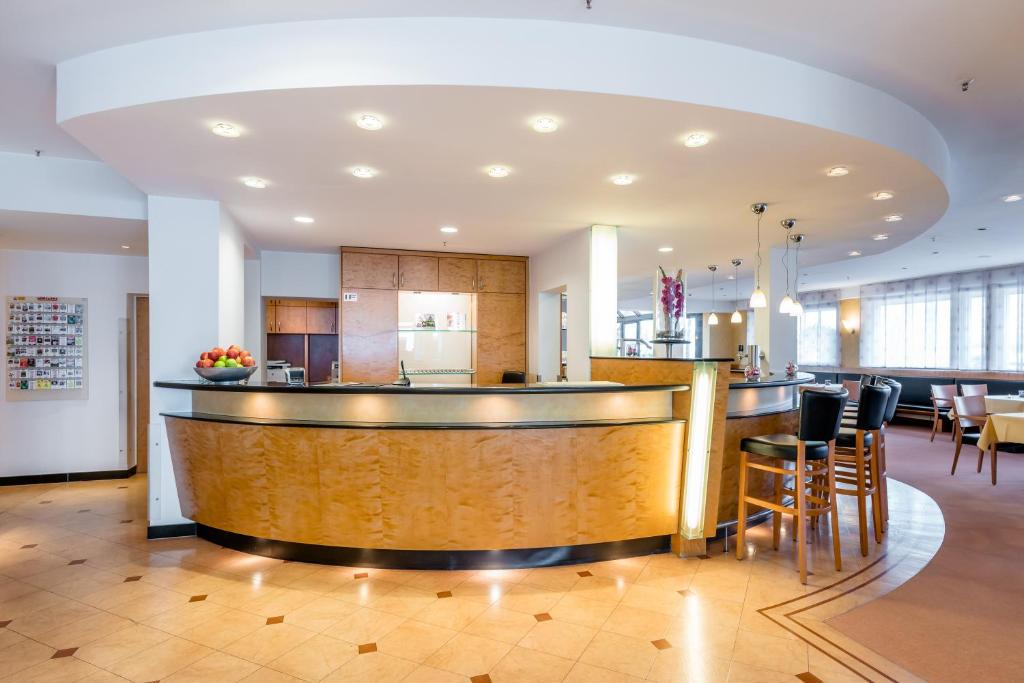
752, 372
791, 368
670, 304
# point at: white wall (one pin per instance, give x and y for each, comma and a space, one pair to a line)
253, 312
566, 264
44, 437
300, 275
231, 282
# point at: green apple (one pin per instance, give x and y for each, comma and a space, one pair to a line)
223, 359
220, 364
231, 363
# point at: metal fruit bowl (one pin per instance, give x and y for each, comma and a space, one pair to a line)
225, 375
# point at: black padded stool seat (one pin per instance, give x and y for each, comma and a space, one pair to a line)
783, 446
847, 437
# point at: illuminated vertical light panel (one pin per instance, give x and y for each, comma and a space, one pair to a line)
698, 450
604, 278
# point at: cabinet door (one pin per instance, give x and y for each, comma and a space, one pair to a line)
500, 335
369, 336
321, 319
417, 273
456, 275
501, 276
271, 316
290, 319
374, 271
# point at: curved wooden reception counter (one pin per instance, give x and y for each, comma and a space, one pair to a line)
431, 476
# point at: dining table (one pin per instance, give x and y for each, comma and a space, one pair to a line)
1000, 428
1004, 403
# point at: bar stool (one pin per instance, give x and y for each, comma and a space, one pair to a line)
857, 462
895, 389
812, 451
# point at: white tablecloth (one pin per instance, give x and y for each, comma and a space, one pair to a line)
1004, 404
1002, 428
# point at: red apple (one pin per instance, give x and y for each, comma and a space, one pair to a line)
208, 363
204, 355
216, 352
232, 353
248, 362
199, 363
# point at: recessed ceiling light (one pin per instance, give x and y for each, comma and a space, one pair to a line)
622, 179
225, 130
125, 246
880, 236
854, 253
837, 171
363, 171
882, 195
545, 124
893, 218
369, 122
498, 171
449, 228
303, 219
981, 229
696, 139
664, 250
1012, 198
254, 182
934, 253
903, 267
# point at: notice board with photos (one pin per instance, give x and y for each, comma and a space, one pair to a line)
46, 348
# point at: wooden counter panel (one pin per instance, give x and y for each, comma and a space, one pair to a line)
430, 490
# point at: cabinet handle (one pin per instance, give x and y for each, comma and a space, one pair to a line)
278, 325
394, 280
401, 280
474, 283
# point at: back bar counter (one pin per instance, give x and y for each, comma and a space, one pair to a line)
449, 476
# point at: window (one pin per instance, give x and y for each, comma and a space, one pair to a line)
818, 341
636, 330
966, 321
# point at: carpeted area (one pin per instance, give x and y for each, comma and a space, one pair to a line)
962, 617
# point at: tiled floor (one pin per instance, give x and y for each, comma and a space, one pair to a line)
83, 596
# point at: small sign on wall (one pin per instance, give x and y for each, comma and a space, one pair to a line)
46, 348
350, 296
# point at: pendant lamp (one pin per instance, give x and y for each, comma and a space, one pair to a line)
758, 298
797, 309
786, 305
736, 318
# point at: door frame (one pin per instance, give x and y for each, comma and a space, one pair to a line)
133, 398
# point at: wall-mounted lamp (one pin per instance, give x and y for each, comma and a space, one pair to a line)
850, 325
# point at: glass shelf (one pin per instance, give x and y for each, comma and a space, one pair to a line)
429, 329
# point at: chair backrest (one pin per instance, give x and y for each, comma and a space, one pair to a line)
853, 388
971, 406
894, 397
513, 377
943, 394
871, 408
974, 389
821, 414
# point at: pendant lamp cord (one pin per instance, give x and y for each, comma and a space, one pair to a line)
785, 262
757, 285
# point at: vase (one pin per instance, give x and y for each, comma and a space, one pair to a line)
669, 305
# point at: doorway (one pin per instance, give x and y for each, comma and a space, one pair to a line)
138, 383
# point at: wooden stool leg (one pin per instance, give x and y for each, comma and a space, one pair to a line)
883, 480
834, 504
862, 496
777, 516
994, 455
876, 486
801, 509
741, 515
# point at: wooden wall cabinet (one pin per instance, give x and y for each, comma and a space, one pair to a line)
500, 336
456, 275
417, 273
369, 271
321, 319
507, 277
291, 317
369, 336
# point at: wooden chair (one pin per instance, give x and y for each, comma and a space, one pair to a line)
973, 389
857, 460
970, 418
812, 452
853, 387
942, 403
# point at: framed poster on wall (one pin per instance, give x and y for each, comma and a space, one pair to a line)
46, 348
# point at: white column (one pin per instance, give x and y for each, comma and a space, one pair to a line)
775, 332
604, 289
196, 301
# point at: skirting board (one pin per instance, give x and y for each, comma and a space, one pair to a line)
63, 478
171, 530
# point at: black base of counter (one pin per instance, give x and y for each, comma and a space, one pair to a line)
376, 558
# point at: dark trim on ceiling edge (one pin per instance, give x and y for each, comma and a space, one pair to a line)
65, 477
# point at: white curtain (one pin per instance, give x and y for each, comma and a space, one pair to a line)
818, 343
958, 321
